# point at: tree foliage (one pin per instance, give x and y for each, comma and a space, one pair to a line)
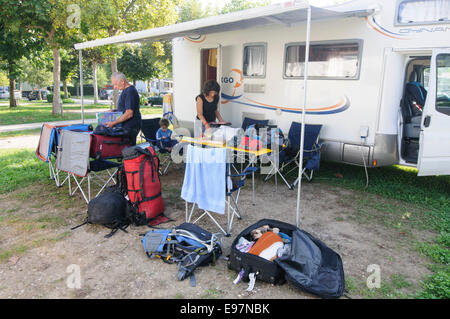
193, 9
36, 73
69, 63
4, 81
14, 45
238, 5
106, 18
48, 20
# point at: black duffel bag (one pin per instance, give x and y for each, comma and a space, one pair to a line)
310, 266
116, 131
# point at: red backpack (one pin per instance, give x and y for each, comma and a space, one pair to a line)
141, 166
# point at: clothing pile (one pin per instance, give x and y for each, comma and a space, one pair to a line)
268, 243
257, 136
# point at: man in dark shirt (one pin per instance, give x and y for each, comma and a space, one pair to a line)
128, 105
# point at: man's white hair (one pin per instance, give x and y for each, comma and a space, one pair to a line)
119, 76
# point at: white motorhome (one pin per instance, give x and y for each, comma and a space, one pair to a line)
364, 56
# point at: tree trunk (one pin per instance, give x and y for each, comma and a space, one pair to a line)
12, 98
57, 105
94, 76
66, 90
20, 87
39, 95
115, 92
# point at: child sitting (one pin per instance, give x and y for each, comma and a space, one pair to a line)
163, 136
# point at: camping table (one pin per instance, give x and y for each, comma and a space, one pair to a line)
210, 143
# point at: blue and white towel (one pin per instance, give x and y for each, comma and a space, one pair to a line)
204, 178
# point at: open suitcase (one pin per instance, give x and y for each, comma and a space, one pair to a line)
309, 266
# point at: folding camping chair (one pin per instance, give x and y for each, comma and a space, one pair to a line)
149, 128
46, 150
48, 142
93, 177
249, 121
73, 157
290, 154
194, 190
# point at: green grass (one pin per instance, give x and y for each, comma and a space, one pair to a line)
20, 168
35, 112
396, 182
436, 286
396, 286
212, 293
25, 244
430, 194
435, 252
39, 111
145, 110
16, 250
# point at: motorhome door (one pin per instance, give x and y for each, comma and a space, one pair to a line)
210, 64
434, 149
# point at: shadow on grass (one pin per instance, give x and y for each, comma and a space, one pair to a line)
397, 182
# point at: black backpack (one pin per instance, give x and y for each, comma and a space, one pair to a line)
111, 210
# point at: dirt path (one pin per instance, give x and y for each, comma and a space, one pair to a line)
37, 246
26, 141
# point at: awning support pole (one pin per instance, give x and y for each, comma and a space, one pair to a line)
302, 135
80, 55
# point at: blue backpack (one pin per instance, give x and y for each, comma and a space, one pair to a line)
188, 245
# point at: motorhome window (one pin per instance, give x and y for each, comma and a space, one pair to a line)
423, 12
426, 78
254, 60
443, 83
332, 60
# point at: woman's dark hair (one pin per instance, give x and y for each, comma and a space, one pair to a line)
211, 85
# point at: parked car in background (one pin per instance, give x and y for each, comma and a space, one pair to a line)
34, 95
4, 93
155, 100
106, 94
